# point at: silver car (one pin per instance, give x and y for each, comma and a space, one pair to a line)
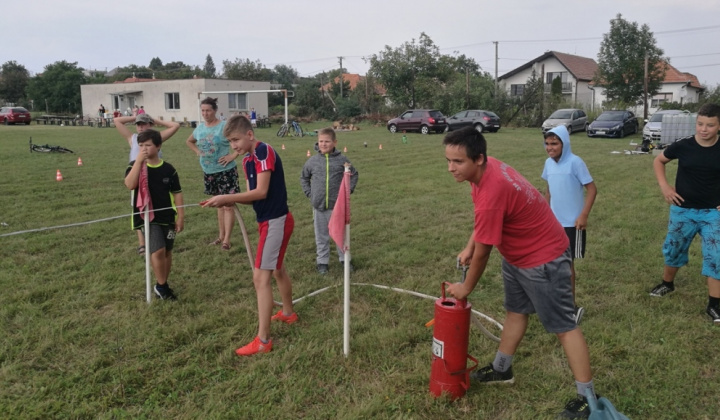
653, 127
572, 118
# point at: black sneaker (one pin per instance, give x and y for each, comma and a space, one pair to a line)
488, 375
714, 313
164, 292
661, 290
579, 312
322, 268
577, 408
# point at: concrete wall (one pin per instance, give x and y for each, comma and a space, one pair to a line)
152, 96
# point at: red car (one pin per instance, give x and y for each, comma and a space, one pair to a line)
14, 115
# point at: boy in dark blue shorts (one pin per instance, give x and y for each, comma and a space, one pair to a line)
694, 205
163, 185
267, 193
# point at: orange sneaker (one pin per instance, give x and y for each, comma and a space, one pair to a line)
255, 346
280, 316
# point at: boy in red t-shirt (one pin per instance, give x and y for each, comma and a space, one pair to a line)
513, 216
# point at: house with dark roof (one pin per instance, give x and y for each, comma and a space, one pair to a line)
676, 87
575, 74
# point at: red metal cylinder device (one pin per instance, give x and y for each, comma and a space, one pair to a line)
449, 372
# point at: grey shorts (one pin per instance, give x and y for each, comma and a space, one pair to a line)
545, 290
161, 236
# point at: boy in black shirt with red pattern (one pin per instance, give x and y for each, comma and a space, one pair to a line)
165, 194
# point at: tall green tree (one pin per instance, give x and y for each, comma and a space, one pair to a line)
156, 64
415, 74
246, 70
621, 61
209, 67
14, 79
57, 88
409, 71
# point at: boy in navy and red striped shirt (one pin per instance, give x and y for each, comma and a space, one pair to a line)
267, 193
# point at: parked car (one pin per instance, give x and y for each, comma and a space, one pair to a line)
14, 115
573, 119
653, 127
616, 123
481, 120
422, 120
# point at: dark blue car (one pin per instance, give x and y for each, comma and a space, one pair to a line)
613, 124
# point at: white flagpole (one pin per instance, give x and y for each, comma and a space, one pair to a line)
148, 293
346, 323
346, 269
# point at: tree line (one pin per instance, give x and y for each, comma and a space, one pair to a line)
413, 75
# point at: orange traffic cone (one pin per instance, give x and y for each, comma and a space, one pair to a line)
58, 176
345, 149
308, 153
79, 162
283, 147
380, 147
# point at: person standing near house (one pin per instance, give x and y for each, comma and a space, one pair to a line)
141, 110
217, 161
253, 118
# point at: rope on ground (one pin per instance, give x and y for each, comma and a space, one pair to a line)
476, 314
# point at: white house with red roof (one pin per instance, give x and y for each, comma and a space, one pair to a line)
576, 74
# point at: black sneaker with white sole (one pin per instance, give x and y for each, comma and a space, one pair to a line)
488, 375
164, 292
661, 290
714, 313
577, 408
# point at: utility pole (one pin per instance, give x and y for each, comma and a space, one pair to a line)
496, 69
645, 89
467, 87
341, 77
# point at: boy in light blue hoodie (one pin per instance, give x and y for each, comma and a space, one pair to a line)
567, 175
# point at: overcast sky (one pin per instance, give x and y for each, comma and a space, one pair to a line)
311, 35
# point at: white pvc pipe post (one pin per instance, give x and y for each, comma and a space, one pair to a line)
346, 252
346, 322
148, 293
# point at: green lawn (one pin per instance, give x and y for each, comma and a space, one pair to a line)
78, 340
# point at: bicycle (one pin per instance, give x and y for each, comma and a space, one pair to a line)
46, 148
297, 130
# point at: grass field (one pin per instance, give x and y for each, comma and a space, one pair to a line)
78, 339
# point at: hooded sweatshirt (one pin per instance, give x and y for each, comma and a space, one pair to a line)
321, 178
566, 179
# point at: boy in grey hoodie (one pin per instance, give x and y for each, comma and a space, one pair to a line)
567, 175
320, 180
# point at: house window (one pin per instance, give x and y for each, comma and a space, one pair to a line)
237, 100
550, 76
517, 90
660, 99
172, 100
